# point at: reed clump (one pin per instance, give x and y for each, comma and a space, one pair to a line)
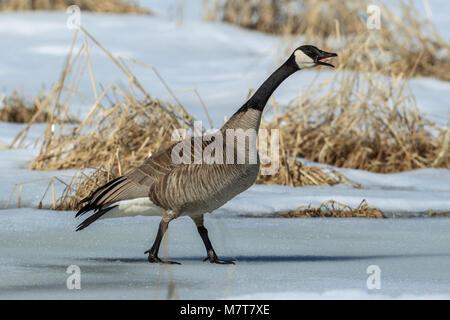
362, 121
121, 129
18, 108
107, 6
120, 137
293, 173
81, 186
406, 40
287, 17
334, 209
290, 170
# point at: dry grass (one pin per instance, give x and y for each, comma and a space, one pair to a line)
439, 214
114, 138
119, 136
408, 42
407, 45
80, 187
363, 121
18, 108
334, 209
287, 17
293, 173
108, 6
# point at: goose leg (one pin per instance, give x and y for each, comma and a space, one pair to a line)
210, 253
153, 251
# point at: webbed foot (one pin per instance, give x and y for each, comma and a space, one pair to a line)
212, 257
152, 258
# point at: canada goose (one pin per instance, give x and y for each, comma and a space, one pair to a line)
161, 187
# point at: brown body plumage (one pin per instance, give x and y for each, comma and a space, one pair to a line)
184, 189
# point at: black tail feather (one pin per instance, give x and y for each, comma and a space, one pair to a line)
97, 214
106, 185
106, 197
105, 191
93, 205
83, 210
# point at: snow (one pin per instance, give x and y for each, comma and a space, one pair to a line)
432, 99
276, 258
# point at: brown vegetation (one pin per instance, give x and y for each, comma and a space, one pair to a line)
408, 42
119, 136
334, 209
362, 121
18, 108
109, 6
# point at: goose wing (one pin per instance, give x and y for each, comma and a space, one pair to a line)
134, 184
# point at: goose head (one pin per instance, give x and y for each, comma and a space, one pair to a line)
308, 56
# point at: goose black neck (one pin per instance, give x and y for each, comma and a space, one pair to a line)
259, 99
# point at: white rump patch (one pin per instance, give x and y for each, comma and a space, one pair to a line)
134, 207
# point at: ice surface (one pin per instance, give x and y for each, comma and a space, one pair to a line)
276, 258
33, 184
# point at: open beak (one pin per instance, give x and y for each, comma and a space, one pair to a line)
324, 57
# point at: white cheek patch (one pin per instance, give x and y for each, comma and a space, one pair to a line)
303, 61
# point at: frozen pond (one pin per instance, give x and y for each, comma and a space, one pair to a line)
276, 258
